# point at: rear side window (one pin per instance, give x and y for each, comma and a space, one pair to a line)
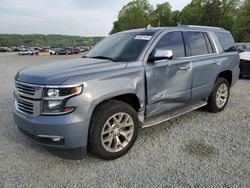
226, 41
197, 43
172, 41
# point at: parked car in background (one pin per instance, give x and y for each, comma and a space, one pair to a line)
85, 48
76, 50
3, 50
244, 51
52, 52
26, 52
132, 79
66, 51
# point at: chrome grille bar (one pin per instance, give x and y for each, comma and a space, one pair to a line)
28, 98
30, 91
25, 89
25, 107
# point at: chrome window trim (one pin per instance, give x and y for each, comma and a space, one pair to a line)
197, 56
161, 34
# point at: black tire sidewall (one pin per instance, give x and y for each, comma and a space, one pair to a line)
98, 121
212, 101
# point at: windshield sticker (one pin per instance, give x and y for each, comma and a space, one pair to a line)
143, 37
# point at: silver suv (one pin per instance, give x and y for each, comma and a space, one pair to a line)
132, 79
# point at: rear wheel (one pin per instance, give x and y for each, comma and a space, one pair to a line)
220, 95
113, 130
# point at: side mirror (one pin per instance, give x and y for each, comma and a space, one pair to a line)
161, 55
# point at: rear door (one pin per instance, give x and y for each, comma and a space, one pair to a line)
169, 81
205, 63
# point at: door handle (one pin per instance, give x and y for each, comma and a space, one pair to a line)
184, 67
215, 62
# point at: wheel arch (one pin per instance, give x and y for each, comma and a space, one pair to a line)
228, 75
129, 98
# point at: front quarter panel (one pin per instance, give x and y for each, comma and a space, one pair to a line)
129, 80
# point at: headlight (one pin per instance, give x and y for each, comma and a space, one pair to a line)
54, 99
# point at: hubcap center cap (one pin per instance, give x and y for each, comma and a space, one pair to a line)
116, 131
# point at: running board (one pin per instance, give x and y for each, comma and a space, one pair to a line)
151, 121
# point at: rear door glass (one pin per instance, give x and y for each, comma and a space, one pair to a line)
196, 42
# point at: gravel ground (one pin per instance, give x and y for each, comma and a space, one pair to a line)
199, 149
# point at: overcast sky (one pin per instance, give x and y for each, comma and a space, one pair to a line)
70, 17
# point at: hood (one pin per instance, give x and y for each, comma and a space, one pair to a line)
58, 73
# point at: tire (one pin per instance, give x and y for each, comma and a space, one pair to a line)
100, 130
219, 96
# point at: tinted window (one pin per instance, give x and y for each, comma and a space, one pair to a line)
172, 41
196, 42
226, 41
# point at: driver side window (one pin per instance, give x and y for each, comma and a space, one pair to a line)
172, 41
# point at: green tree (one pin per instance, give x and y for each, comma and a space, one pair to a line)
10, 40
192, 13
229, 9
135, 14
241, 28
211, 12
175, 18
222, 13
161, 16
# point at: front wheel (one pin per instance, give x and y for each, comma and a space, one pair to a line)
219, 96
113, 130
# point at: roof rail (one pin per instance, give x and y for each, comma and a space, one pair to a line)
199, 26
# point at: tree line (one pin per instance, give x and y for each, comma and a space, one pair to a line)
14, 40
233, 15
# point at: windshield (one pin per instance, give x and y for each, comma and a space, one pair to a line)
123, 47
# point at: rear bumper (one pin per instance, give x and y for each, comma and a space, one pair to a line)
65, 131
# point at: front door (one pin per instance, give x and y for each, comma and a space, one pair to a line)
169, 81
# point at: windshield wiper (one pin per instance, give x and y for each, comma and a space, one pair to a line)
104, 57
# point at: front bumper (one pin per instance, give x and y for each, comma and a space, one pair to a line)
65, 131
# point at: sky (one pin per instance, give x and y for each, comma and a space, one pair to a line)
69, 17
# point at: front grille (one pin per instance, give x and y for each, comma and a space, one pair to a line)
25, 88
28, 98
25, 106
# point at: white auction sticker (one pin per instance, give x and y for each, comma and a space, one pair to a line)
143, 37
